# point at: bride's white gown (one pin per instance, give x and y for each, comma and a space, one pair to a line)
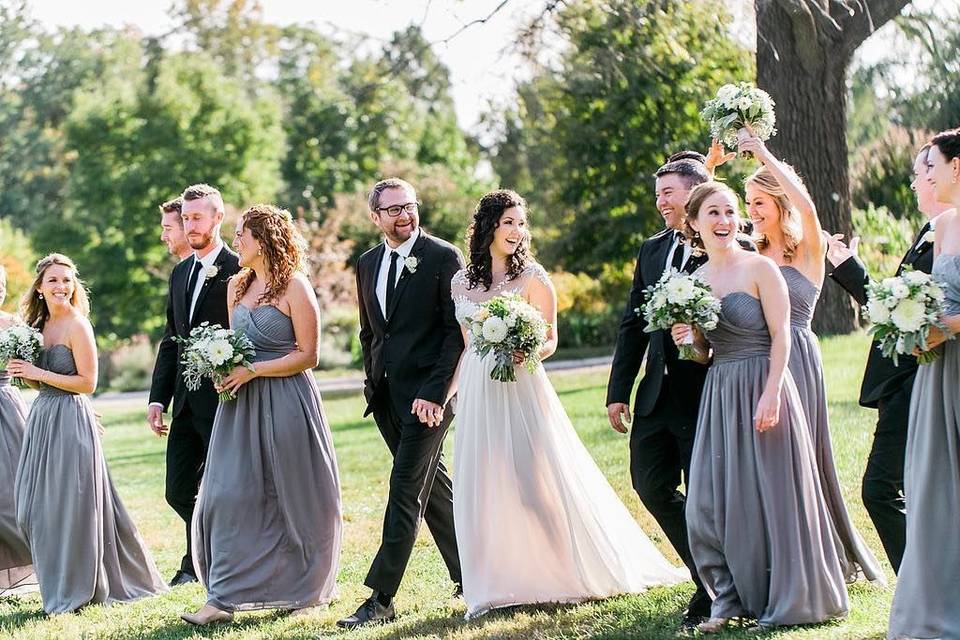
536, 520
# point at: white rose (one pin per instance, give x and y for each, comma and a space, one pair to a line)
744, 103
908, 316
877, 311
679, 290
915, 277
900, 291
411, 263
211, 271
511, 320
494, 330
659, 299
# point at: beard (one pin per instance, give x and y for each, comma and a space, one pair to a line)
202, 242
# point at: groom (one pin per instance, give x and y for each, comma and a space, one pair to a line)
411, 346
665, 410
197, 293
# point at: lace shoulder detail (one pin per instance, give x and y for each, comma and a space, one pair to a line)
536, 270
459, 283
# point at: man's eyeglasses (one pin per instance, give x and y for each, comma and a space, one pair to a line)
394, 211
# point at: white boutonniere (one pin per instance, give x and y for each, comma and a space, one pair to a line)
210, 271
928, 237
411, 263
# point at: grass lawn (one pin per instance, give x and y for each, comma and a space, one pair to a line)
424, 607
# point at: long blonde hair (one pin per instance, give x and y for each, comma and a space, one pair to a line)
790, 224
33, 308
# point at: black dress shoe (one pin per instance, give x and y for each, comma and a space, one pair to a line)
182, 577
458, 590
370, 612
688, 626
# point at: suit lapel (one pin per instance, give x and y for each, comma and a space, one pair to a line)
658, 258
370, 282
917, 249
406, 275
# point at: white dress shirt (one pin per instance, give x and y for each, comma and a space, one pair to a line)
404, 251
684, 246
206, 262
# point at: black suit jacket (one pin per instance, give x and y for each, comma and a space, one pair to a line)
662, 354
211, 307
882, 378
418, 345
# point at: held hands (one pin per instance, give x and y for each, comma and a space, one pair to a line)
155, 420
618, 413
768, 412
24, 369
837, 251
237, 378
429, 413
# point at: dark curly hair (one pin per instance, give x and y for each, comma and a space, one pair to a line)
282, 245
486, 219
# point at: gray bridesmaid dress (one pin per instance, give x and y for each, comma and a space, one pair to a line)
16, 571
86, 549
927, 601
267, 526
759, 529
806, 367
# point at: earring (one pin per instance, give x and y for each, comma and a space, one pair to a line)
40, 295
259, 252
696, 234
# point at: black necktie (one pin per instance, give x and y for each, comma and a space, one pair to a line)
919, 241
391, 279
677, 261
192, 282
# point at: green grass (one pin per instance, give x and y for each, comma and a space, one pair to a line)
425, 609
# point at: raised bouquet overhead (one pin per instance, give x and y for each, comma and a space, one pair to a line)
507, 325
20, 342
212, 352
902, 309
680, 298
735, 107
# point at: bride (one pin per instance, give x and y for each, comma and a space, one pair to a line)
536, 521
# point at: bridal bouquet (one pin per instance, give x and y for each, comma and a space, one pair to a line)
680, 298
902, 310
212, 352
20, 342
507, 325
736, 106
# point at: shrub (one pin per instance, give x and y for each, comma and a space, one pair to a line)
884, 237
128, 366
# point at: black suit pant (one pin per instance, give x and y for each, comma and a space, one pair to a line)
186, 454
420, 488
661, 445
882, 489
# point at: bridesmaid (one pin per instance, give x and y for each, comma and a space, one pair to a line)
925, 603
86, 549
787, 230
16, 572
758, 525
267, 525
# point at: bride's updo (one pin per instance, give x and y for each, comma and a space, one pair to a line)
486, 219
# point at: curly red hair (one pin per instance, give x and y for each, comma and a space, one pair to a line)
283, 247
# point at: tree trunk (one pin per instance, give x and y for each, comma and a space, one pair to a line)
809, 88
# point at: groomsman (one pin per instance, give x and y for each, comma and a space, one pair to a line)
197, 293
411, 346
665, 409
887, 387
172, 225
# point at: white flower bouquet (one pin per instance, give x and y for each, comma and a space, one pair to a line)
735, 107
902, 309
680, 298
20, 342
506, 325
212, 352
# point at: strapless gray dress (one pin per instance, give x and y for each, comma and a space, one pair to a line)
86, 549
267, 526
16, 571
927, 601
759, 528
806, 366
